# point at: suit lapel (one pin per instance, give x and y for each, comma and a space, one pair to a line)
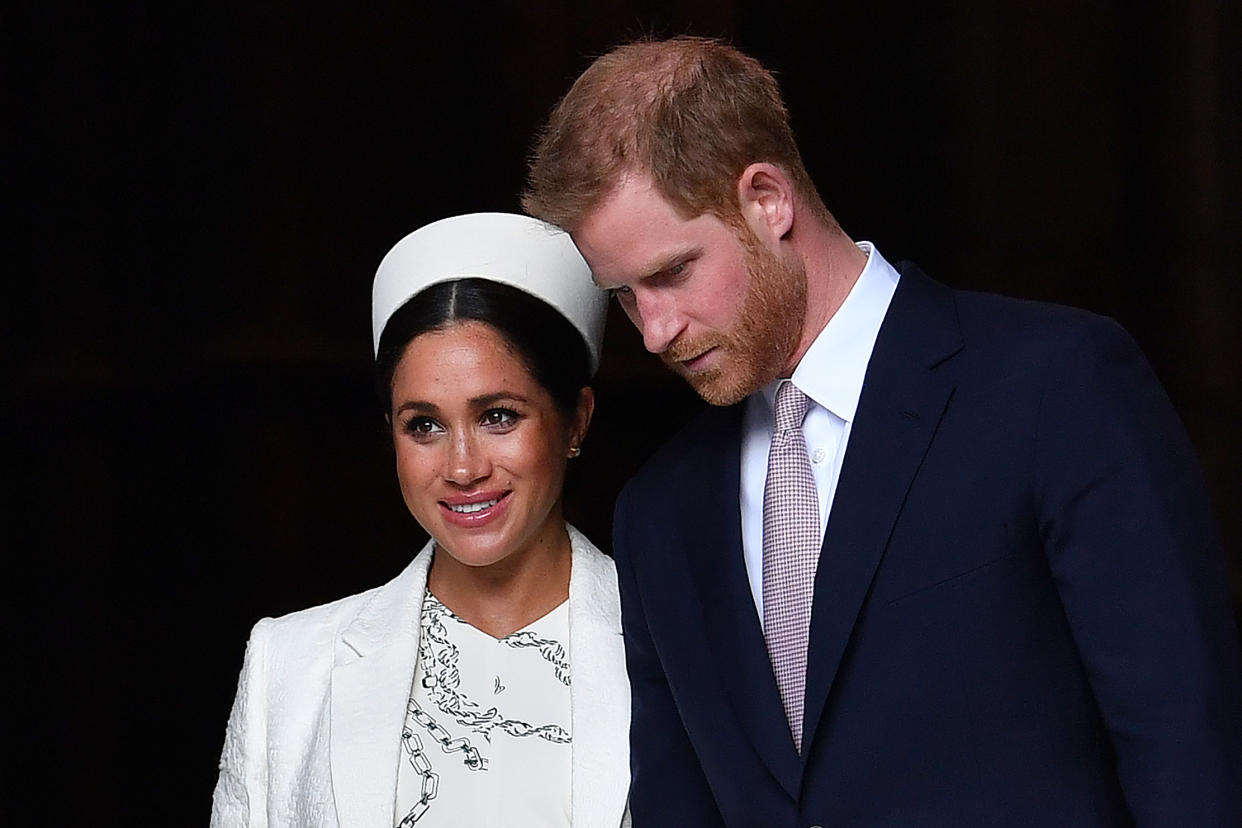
713, 544
599, 692
375, 659
902, 402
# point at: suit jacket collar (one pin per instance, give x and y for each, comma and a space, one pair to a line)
713, 544
599, 691
375, 658
905, 394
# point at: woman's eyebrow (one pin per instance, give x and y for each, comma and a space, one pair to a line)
485, 400
419, 407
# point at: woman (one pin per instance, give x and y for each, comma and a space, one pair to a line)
485, 684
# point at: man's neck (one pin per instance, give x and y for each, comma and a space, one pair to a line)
833, 264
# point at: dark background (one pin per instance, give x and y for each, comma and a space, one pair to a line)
203, 194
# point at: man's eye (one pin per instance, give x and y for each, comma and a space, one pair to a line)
621, 293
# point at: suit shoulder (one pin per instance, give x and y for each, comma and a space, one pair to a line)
1011, 318
304, 631
329, 615
1026, 333
308, 631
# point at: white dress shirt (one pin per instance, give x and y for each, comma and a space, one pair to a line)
831, 373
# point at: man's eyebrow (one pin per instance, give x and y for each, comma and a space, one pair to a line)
671, 259
658, 265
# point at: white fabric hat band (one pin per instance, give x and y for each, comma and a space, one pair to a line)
515, 250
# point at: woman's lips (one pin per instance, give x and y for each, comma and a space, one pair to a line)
472, 511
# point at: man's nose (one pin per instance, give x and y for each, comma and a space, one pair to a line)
658, 320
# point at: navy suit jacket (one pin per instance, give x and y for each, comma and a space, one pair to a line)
1020, 616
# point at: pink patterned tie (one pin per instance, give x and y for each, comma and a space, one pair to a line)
791, 542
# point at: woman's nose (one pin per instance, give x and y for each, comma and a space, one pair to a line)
467, 462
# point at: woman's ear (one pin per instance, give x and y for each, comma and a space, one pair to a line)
581, 420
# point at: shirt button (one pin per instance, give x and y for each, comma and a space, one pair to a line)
818, 456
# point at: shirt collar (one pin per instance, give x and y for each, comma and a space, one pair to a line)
832, 370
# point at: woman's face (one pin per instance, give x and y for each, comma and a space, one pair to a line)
481, 447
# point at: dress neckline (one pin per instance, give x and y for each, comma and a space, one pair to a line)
551, 616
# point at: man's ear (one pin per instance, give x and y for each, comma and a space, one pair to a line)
766, 197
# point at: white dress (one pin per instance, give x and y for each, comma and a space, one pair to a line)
486, 737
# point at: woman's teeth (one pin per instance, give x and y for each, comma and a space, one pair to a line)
468, 508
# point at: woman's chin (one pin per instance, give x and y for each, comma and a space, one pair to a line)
495, 541
477, 546
475, 556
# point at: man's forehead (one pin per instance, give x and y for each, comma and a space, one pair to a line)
633, 206
636, 232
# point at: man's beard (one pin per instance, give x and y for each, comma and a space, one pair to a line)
760, 344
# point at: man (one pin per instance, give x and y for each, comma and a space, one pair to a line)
939, 558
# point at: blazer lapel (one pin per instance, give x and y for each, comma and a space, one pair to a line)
375, 659
599, 691
902, 402
713, 544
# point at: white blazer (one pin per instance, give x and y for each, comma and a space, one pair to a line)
314, 738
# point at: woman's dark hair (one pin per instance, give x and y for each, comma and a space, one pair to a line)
547, 343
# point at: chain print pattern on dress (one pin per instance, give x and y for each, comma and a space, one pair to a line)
552, 651
443, 681
438, 658
422, 763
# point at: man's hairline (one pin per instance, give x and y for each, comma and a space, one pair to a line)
614, 184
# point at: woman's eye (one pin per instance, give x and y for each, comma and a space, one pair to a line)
499, 417
423, 427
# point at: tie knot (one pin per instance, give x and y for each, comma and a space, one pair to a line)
791, 406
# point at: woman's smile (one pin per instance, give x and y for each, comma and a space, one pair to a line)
470, 511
